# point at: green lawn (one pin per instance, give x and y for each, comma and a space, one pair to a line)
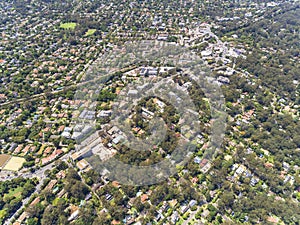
14, 192
90, 32
3, 213
40, 152
68, 25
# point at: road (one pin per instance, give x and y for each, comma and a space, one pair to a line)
191, 217
66, 88
24, 202
40, 173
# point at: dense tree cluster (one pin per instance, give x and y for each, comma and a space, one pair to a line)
10, 202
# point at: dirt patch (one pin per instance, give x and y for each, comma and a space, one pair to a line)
3, 159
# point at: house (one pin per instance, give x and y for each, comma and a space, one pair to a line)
194, 180
164, 207
162, 37
131, 73
144, 198
205, 165
74, 215
51, 185
47, 150
61, 193
113, 130
173, 203
248, 173
240, 170
81, 130
167, 70
223, 80
174, 217
104, 113
158, 217
117, 139
253, 181
197, 160
18, 149
35, 201
82, 164
12, 147
203, 162
286, 166
116, 184
273, 220
268, 165
143, 71
108, 197
33, 148
206, 53
128, 220
132, 92
184, 209
88, 197
66, 134
287, 178
115, 222
147, 114
3, 97
205, 213
150, 71
192, 203
61, 174
160, 104
22, 217
51, 157
61, 128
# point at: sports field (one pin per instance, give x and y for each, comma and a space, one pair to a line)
14, 164
68, 25
3, 159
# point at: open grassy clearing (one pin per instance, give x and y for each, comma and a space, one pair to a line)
3, 214
90, 32
40, 152
16, 192
68, 25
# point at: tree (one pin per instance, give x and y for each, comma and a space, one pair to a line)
35, 210
50, 216
72, 174
87, 215
227, 198
102, 219
74, 185
32, 221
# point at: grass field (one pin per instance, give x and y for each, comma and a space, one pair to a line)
3, 159
14, 164
40, 152
90, 32
68, 25
14, 192
3, 214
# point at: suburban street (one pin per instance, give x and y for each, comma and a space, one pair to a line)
40, 174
